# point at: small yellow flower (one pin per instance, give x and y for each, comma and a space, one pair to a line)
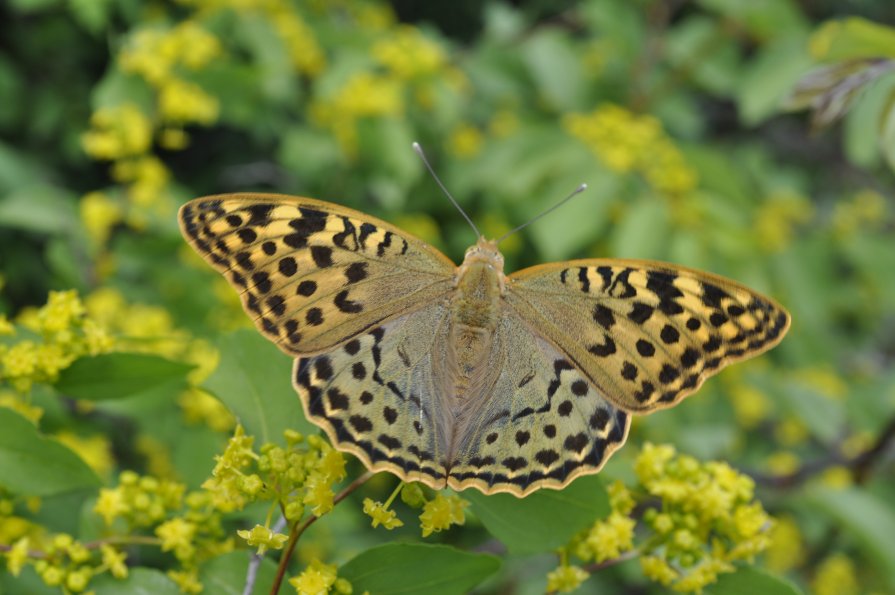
113, 560
111, 504
181, 101
566, 579
94, 450
783, 462
836, 575
465, 141
319, 494
200, 407
17, 556
409, 54
186, 580
6, 327
620, 499
610, 537
381, 515
317, 579
117, 132
657, 569
786, 550
77, 580
332, 464
177, 535
263, 538
750, 404
442, 512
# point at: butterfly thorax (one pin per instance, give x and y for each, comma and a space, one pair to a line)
479, 284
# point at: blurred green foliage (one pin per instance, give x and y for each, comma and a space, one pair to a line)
752, 139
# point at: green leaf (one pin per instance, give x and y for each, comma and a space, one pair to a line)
119, 375
851, 39
822, 415
254, 380
870, 520
861, 127
887, 140
555, 65
763, 18
33, 465
402, 568
544, 520
642, 231
226, 574
748, 581
770, 76
139, 581
39, 207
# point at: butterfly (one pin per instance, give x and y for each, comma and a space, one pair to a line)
463, 376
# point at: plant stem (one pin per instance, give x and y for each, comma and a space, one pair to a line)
299, 528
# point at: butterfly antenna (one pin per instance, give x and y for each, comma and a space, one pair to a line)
574, 193
419, 151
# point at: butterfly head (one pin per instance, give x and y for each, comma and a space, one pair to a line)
483, 256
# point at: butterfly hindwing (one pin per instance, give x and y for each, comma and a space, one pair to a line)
646, 333
377, 396
313, 274
551, 425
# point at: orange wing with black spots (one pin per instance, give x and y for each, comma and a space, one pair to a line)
312, 274
646, 333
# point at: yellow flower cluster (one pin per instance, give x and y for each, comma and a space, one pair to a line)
186, 524
320, 579
299, 475
866, 209
836, 575
304, 51
381, 514
627, 142
155, 53
566, 578
605, 540
64, 333
439, 513
786, 550
778, 217
139, 501
706, 522
363, 95
406, 64
142, 328
408, 54
465, 141
118, 132
58, 559
123, 134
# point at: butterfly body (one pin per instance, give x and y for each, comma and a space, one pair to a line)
463, 376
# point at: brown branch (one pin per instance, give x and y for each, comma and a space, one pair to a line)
298, 529
860, 465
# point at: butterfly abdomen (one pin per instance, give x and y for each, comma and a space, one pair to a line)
475, 312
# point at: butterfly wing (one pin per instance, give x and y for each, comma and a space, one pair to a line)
536, 422
313, 274
645, 333
381, 396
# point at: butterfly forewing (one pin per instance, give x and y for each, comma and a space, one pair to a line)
647, 334
313, 274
